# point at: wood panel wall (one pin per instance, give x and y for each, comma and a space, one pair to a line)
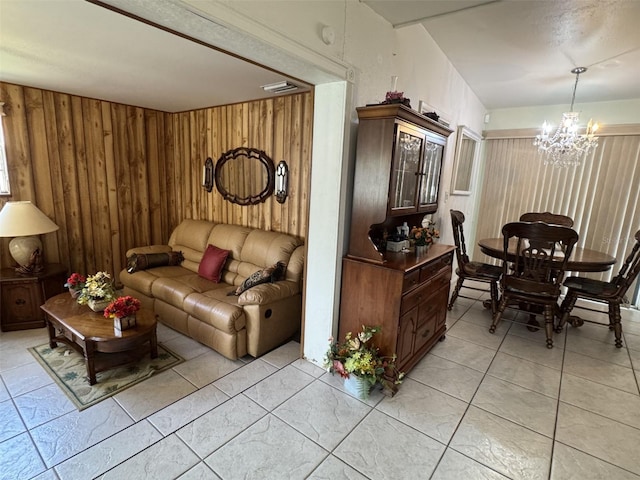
114, 176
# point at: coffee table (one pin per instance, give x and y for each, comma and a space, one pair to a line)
94, 336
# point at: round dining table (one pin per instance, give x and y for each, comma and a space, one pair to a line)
581, 259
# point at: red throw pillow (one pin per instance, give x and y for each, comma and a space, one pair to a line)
212, 262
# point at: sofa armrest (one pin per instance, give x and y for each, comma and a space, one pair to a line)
266, 293
149, 249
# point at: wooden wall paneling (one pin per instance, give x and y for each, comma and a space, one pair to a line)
278, 149
303, 184
170, 128
122, 147
153, 179
36, 137
94, 151
68, 157
183, 162
98, 168
138, 166
197, 163
57, 199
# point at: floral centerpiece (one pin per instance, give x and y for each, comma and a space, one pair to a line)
123, 311
97, 292
423, 236
75, 284
122, 307
358, 358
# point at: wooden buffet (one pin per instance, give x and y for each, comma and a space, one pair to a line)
397, 177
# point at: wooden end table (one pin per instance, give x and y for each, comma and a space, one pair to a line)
88, 332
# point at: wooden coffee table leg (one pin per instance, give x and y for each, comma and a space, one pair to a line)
52, 333
89, 356
153, 344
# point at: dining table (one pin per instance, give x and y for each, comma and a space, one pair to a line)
581, 260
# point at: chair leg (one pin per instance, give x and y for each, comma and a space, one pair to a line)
498, 315
565, 309
549, 316
455, 293
494, 297
614, 322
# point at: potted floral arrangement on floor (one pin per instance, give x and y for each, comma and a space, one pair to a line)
422, 237
75, 284
123, 311
98, 291
361, 364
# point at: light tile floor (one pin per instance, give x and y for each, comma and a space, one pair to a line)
478, 406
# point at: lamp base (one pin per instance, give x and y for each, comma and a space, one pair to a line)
34, 266
27, 252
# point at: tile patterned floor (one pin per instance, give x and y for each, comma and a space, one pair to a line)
478, 406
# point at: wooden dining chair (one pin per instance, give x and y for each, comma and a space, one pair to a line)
538, 269
611, 293
467, 270
547, 217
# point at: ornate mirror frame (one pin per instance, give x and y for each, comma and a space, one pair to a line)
250, 153
464, 166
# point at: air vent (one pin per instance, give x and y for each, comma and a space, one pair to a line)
279, 87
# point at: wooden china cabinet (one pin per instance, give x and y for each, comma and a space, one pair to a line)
397, 177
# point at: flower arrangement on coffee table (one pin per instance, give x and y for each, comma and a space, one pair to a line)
75, 284
97, 292
123, 311
356, 356
122, 307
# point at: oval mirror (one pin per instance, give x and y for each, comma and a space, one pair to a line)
245, 176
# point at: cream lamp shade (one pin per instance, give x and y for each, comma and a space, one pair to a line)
24, 221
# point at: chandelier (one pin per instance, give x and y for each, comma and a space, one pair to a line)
567, 147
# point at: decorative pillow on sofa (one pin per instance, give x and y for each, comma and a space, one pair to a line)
142, 261
212, 263
266, 275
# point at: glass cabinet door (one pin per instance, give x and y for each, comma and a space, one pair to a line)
430, 174
405, 171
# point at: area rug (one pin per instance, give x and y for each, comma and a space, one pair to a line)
68, 368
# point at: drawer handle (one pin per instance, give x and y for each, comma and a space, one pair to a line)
20, 301
426, 333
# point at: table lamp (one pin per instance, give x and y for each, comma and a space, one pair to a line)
24, 221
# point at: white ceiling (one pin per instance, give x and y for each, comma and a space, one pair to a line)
520, 52
73, 46
512, 53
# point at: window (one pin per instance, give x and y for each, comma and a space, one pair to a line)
4, 171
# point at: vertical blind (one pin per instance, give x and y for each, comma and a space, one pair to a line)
602, 194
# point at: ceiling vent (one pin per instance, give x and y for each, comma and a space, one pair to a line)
279, 87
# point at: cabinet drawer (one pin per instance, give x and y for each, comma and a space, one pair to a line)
415, 297
431, 269
411, 280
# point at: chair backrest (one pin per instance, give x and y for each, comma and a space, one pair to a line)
547, 217
544, 251
457, 219
629, 270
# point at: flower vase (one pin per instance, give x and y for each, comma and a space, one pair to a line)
98, 305
124, 323
357, 386
421, 249
74, 293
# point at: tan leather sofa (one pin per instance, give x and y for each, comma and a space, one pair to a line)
260, 319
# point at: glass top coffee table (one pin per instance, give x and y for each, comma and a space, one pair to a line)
94, 336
